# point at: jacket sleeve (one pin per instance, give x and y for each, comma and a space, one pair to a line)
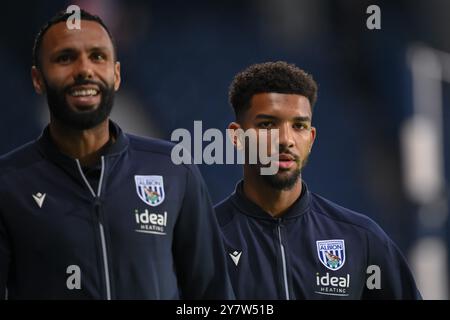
396, 280
197, 248
4, 259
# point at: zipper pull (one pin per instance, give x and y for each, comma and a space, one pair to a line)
97, 202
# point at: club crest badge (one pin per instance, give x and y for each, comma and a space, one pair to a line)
331, 253
150, 189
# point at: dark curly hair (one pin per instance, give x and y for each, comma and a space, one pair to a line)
279, 77
60, 17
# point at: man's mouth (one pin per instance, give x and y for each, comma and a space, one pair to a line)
84, 92
285, 161
84, 96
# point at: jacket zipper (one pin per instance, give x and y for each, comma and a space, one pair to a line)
100, 224
283, 259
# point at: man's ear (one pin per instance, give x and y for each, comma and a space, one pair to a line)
234, 134
117, 76
313, 137
38, 80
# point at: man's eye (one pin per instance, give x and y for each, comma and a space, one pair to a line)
65, 58
98, 57
265, 125
301, 126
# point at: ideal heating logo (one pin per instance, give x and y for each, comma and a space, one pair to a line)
153, 223
333, 286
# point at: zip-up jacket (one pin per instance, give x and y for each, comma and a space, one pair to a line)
316, 250
134, 227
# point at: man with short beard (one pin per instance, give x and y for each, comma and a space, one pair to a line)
89, 212
282, 240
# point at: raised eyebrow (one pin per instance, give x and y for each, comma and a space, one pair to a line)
73, 50
99, 48
302, 119
298, 119
265, 116
63, 50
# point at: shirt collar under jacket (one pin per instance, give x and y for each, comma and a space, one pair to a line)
49, 148
248, 207
51, 152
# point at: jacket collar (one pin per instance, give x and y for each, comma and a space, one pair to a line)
248, 207
51, 152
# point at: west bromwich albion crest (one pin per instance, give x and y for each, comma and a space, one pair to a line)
150, 189
331, 253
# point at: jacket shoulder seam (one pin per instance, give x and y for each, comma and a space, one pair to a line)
385, 240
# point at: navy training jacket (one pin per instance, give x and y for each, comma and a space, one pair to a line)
317, 250
143, 228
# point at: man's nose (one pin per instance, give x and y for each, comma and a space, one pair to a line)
84, 68
286, 136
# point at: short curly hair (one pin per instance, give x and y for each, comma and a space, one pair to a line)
279, 77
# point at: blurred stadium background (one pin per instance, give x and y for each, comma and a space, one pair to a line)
383, 145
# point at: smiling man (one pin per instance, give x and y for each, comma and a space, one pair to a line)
89, 212
283, 241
